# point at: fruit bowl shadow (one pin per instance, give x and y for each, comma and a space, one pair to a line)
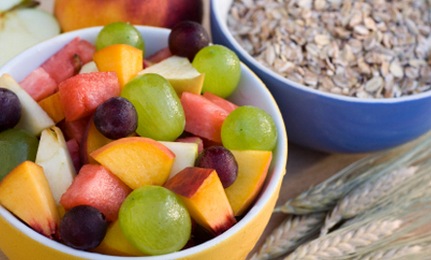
18, 241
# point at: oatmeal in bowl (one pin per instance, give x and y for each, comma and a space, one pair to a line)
349, 76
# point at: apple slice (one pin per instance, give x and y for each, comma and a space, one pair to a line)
23, 27
185, 155
205, 198
137, 161
25, 192
33, 118
180, 73
252, 170
53, 155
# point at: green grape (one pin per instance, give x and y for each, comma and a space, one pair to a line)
16, 146
119, 32
160, 113
222, 69
249, 128
155, 220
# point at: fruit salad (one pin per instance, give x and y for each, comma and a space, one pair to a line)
106, 149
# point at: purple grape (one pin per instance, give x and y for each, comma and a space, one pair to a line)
222, 160
10, 108
116, 118
83, 227
187, 38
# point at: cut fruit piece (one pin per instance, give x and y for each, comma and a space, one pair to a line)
53, 155
68, 60
81, 94
25, 192
180, 73
158, 56
221, 102
39, 84
115, 243
91, 141
137, 161
52, 106
97, 187
123, 59
193, 139
252, 170
33, 118
23, 28
185, 155
203, 117
16, 146
73, 147
205, 198
89, 67
74, 129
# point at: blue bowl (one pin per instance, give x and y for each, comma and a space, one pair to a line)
329, 122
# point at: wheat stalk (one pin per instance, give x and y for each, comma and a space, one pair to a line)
368, 195
391, 253
293, 231
346, 241
324, 196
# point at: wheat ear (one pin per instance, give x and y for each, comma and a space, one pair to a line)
368, 195
293, 231
324, 196
346, 241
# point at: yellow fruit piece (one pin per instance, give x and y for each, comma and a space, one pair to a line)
52, 106
25, 192
252, 170
180, 73
123, 59
137, 161
115, 243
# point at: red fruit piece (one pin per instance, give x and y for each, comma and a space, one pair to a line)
221, 102
69, 59
203, 117
97, 187
81, 94
39, 84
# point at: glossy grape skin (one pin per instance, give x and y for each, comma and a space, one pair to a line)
83, 227
160, 113
155, 220
116, 118
187, 38
10, 107
249, 128
220, 159
222, 69
119, 33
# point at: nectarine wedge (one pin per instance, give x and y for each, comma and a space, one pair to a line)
124, 59
205, 198
25, 192
137, 161
252, 170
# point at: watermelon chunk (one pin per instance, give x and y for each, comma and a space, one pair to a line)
203, 117
69, 60
73, 148
81, 94
97, 187
39, 84
223, 103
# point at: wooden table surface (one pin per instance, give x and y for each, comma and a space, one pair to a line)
304, 168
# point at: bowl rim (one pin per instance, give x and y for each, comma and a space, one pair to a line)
217, 12
278, 167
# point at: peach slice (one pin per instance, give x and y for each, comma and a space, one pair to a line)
25, 192
205, 198
124, 59
137, 161
252, 170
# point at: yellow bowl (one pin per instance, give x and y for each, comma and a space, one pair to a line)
18, 241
